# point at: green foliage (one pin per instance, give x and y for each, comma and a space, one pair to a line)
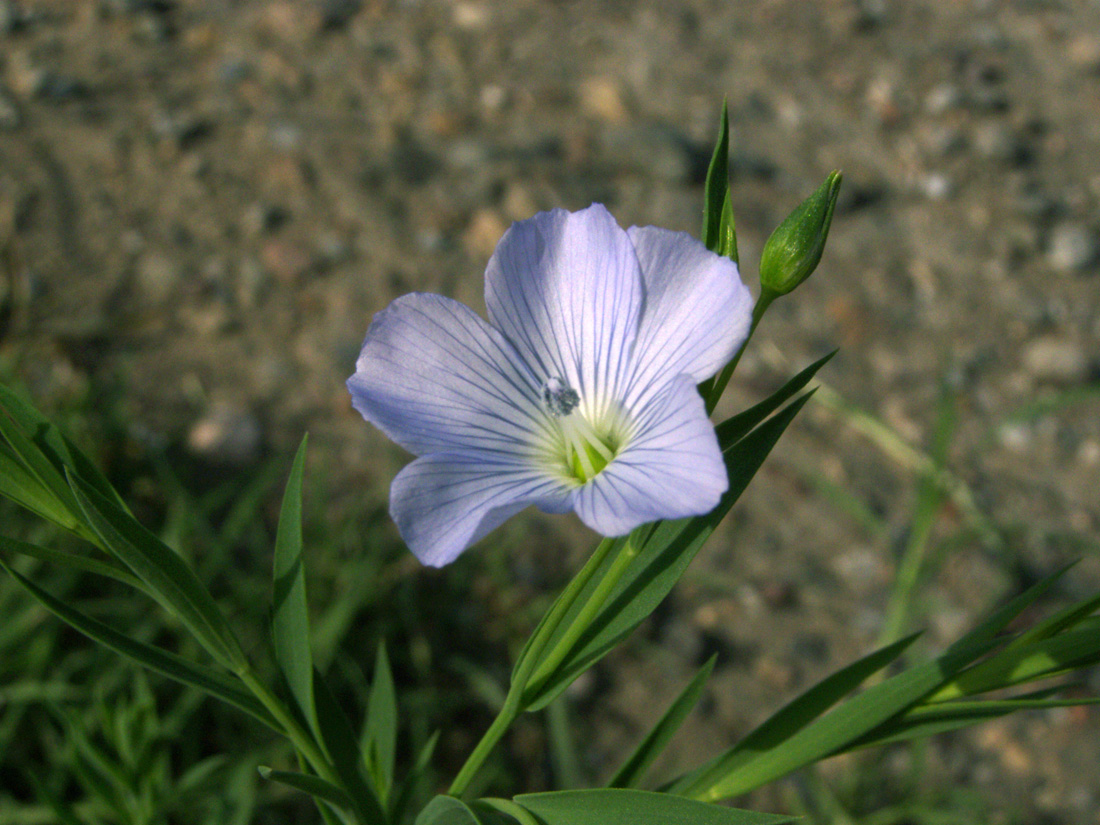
621, 806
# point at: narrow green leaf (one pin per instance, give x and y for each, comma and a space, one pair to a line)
343, 750
290, 613
623, 806
41, 470
168, 576
167, 664
717, 185
630, 774
1056, 655
73, 560
446, 810
666, 550
1062, 620
18, 484
738, 426
1000, 618
727, 231
738, 770
60, 451
381, 724
797, 713
312, 785
412, 778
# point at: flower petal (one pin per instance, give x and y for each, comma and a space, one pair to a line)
697, 311
566, 290
443, 503
433, 376
672, 468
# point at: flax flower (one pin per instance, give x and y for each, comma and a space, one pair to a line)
579, 394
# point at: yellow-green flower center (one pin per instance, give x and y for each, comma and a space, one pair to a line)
584, 448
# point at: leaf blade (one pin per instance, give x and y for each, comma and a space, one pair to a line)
290, 611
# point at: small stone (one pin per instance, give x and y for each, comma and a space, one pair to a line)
483, 232
1072, 247
157, 277
601, 98
996, 141
1056, 360
653, 150
286, 261
937, 186
264, 218
180, 128
1084, 53
942, 99
9, 115
226, 435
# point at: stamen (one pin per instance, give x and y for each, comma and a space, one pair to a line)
560, 399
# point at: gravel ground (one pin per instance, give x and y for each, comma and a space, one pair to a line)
203, 202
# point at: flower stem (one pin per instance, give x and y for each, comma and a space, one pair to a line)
298, 736
587, 613
723, 378
529, 659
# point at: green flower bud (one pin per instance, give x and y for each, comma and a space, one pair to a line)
793, 251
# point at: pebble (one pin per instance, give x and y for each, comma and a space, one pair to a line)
942, 98
1056, 360
996, 141
602, 99
9, 115
226, 435
263, 218
157, 276
655, 150
1072, 247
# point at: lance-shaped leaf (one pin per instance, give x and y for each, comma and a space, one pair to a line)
413, 777
739, 770
716, 187
446, 810
622, 806
109, 568
312, 785
290, 614
630, 774
380, 731
206, 679
342, 748
58, 450
666, 549
168, 576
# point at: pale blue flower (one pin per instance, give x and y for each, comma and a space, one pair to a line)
579, 394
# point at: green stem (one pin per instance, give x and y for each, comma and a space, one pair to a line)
723, 378
584, 619
513, 703
300, 738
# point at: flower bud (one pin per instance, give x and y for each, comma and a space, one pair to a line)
794, 249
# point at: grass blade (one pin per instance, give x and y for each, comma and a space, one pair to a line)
622, 806
630, 774
312, 785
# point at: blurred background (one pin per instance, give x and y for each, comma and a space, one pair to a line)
203, 202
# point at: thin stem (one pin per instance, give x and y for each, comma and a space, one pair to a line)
513, 702
723, 378
584, 619
301, 739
